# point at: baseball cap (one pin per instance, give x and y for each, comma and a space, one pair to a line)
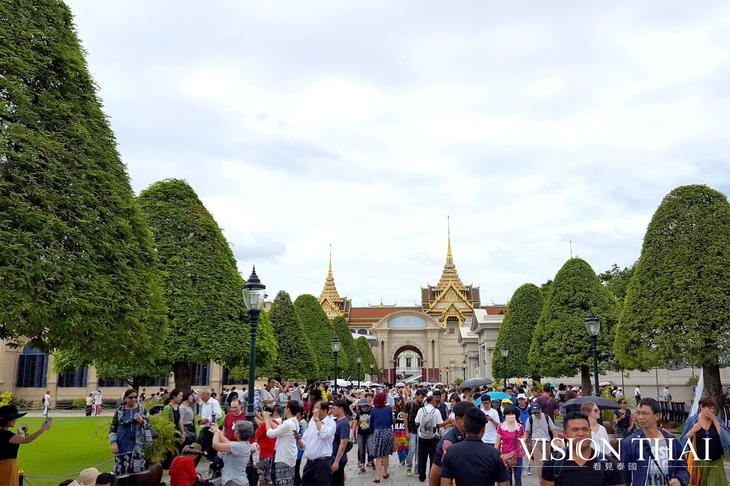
362, 402
535, 407
506, 400
522, 396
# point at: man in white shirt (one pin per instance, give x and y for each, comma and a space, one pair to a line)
210, 412
296, 393
46, 402
490, 431
269, 393
428, 421
317, 442
637, 394
286, 443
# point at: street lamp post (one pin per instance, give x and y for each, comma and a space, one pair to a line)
463, 368
372, 366
335, 342
594, 328
505, 352
359, 368
253, 299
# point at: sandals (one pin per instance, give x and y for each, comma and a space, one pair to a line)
386, 476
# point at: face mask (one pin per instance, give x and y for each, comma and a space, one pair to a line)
510, 419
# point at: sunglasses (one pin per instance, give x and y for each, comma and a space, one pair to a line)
132, 397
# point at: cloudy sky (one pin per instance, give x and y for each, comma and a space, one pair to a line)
365, 124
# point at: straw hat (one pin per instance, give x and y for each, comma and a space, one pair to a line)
88, 476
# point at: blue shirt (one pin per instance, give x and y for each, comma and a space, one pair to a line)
381, 418
524, 414
453, 436
342, 431
473, 462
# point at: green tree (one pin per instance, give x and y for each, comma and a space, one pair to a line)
77, 266
201, 282
295, 358
319, 331
348, 354
368, 358
560, 344
516, 332
678, 301
617, 280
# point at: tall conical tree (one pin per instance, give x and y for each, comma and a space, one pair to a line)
349, 350
678, 300
319, 331
561, 345
295, 358
368, 358
77, 266
202, 284
516, 331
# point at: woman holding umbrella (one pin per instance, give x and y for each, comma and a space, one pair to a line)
10, 442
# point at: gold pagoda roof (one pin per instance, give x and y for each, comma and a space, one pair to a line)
449, 275
330, 289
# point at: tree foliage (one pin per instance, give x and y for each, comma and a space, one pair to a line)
295, 358
560, 344
318, 329
77, 266
617, 280
516, 332
348, 354
201, 282
678, 301
368, 358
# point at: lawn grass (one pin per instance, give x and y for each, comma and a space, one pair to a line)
72, 444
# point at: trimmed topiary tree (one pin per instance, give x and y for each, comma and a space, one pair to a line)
560, 344
678, 301
295, 358
318, 330
368, 358
348, 353
516, 331
77, 265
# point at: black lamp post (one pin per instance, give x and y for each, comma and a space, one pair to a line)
505, 352
372, 368
594, 327
335, 342
253, 299
359, 368
463, 368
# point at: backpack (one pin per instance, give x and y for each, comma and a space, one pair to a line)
428, 427
549, 420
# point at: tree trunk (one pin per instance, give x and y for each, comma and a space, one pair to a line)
585, 380
712, 384
183, 376
136, 383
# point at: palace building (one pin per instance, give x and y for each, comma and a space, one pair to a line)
450, 335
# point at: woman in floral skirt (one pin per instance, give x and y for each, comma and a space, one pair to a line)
381, 440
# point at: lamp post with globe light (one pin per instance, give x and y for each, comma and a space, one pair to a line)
359, 368
594, 328
335, 342
253, 299
505, 352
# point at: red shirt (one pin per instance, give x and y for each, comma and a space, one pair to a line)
266, 444
228, 424
182, 471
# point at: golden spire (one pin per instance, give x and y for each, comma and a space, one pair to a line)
330, 289
449, 273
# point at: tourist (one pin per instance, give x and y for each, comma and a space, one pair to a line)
10, 442
361, 432
98, 402
127, 435
340, 443
637, 394
472, 461
317, 445
622, 418
210, 412
453, 436
523, 409
172, 409
581, 465
182, 469
235, 414
412, 409
508, 444
698, 428
237, 453
302, 422
399, 429
548, 404
188, 417
106, 479
285, 451
382, 439
89, 408
539, 428
267, 444
657, 461
269, 393
598, 431
490, 431
87, 477
428, 421
666, 395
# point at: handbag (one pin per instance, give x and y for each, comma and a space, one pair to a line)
510, 459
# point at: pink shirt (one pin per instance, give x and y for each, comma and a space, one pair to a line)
510, 440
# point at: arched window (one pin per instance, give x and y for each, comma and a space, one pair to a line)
73, 378
32, 368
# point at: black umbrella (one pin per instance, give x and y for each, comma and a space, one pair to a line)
603, 403
475, 382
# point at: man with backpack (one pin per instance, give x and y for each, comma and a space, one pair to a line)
538, 429
428, 421
581, 464
412, 409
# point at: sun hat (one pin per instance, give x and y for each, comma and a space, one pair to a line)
193, 448
9, 412
88, 476
362, 402
506, 400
